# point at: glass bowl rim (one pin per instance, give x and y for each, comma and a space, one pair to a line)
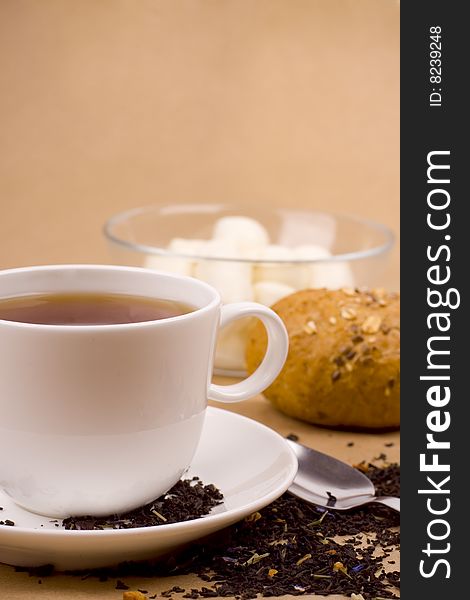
387, 233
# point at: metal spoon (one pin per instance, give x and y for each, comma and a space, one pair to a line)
329, 482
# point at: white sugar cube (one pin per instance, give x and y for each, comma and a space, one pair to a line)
332, 275
219, 249
231, 345
269, 292
247, 233
294, 275
232, 279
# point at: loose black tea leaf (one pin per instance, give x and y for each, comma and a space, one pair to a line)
40, 571
331, 499
381, 456
290, 547
188, 499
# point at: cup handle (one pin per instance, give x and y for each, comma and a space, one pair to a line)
273, 361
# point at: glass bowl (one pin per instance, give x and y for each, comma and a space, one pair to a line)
251, 254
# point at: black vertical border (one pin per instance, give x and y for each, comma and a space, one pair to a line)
425, 129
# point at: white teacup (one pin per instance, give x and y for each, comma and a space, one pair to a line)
100, 419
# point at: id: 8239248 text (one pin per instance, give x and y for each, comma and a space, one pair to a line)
435, 65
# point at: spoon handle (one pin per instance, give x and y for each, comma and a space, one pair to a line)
390, 501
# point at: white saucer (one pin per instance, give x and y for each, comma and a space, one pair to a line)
251, 464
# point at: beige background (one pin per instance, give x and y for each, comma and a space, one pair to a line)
109, 104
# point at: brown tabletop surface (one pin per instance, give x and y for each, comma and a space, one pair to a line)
109, 105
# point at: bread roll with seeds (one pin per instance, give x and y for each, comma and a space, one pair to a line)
343, 367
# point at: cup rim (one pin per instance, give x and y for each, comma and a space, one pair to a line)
382, 248
216, 300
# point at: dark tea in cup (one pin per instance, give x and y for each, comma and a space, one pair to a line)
85, 308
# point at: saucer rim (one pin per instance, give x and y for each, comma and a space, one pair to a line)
231, 515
